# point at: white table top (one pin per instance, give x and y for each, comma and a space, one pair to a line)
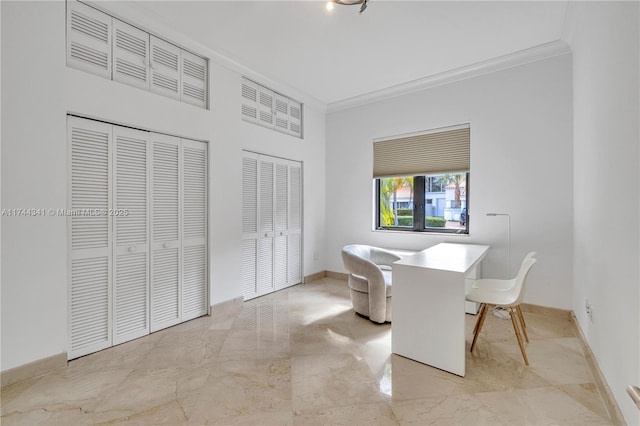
447, 257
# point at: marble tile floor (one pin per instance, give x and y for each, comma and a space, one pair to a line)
302, 357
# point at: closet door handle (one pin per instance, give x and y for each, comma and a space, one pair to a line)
165, 245
132, 249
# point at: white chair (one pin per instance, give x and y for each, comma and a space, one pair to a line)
505, 293
501, 284
370, 280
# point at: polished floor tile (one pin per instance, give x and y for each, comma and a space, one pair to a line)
301, 356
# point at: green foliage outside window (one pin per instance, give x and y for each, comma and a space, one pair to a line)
405, 221
388, 193
436, 222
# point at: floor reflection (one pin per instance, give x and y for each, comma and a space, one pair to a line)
302, 356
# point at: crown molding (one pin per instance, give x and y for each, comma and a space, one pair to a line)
521, 57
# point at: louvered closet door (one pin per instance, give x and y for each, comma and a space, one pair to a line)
266, 227
271, 224
194, 79
281, 224
88, 39
131, 252
295, 118
294, 228
249, 225
281, 117
165, 232
265, 107
90, 236
165, 68
194, 192
249, 101
131, 55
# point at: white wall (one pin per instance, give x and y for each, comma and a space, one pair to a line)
604, 37
0, 180
521, 164
38, 90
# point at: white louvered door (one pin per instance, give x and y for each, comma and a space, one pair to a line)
249, 101
130, 55
281, 113
194, 234
89, 241
166, 253
294, 226
194, 79
265, 107
137, 221
265, 226
249, 225
104, 45
295, 118
288, 240
271, 224
131, 244
88, 39
281, 216
165, 68
270, 109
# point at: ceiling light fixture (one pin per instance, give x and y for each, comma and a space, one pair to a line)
350, 3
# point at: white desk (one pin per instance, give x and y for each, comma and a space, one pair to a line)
429, 304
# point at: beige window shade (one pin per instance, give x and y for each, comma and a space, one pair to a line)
437, 152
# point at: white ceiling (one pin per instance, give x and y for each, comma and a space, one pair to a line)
337, 55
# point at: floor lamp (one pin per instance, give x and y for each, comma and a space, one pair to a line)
499, 311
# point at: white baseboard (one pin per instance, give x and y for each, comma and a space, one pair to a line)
33, 369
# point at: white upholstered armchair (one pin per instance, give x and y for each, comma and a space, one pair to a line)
370, 280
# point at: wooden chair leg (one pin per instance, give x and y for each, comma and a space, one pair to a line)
513, 313
522, 323
480, 323
483, 306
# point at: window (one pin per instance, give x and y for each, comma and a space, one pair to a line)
433, 184
422, 181
403, 205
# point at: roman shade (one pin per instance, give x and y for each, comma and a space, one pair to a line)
440, 151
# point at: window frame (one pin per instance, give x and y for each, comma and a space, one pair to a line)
419, 202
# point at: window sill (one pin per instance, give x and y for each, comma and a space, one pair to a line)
411, 231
